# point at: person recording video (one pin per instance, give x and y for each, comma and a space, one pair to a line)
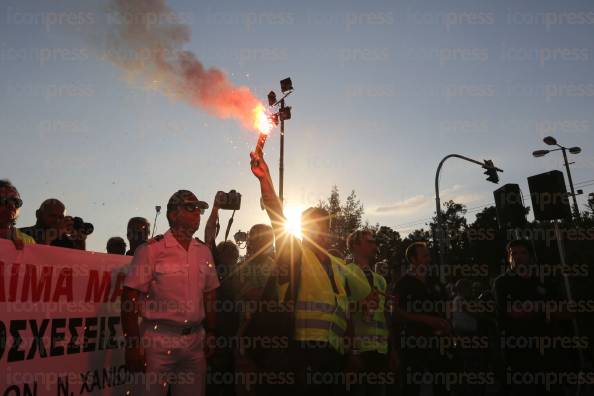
55, 229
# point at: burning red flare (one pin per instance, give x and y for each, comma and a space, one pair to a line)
262, 121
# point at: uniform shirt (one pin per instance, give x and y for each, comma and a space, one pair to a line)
172, 280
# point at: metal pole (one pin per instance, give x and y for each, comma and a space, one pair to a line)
575, 205
157, 212
569, 295
281, 166
441, 234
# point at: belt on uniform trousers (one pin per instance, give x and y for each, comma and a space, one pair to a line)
180, 329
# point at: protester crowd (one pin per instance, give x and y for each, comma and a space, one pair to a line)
291, 317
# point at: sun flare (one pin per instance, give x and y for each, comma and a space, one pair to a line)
293, 220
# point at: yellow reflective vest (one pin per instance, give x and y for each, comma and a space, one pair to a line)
320, 312
370, 332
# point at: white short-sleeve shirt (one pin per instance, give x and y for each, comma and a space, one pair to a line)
172, 280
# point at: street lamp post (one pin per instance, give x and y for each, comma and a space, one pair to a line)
491, 172
281, 165
284, 113
551, 141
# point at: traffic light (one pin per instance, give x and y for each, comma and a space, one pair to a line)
491, 172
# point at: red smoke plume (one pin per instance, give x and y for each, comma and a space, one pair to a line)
148, 45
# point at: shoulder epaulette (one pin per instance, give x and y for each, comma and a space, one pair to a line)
155, 239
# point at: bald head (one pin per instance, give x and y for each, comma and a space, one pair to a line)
51, 203
50, 213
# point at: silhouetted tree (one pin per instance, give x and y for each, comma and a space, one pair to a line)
345, 218
486, 243
590, 204
390, 251
455, 225
419, 235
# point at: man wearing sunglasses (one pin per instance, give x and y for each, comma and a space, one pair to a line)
10, 203
170, 284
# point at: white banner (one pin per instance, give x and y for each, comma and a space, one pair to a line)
60, 328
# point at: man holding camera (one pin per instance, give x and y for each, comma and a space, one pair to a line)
50, 218
171, 285
55, 229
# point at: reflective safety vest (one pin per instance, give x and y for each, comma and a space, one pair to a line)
371, 333
320, 312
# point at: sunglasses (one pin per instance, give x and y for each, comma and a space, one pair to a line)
16, 202
192, 206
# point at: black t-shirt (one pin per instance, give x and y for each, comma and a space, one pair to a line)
415, 296
519, 338
513, 292
40, 234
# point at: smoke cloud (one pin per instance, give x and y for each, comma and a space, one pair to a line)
148, 45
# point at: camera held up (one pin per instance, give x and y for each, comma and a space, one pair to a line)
228, 201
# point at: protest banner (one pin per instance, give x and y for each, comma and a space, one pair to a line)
60, 327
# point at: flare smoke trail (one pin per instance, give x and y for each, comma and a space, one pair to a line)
147, 45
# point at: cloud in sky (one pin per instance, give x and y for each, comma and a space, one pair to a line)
407, 206
421, 202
